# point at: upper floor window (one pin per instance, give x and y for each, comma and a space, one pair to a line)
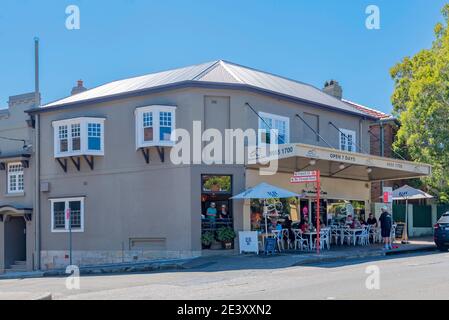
280, 125
154, 125
79, 136
347, 140
15, 177
67, 213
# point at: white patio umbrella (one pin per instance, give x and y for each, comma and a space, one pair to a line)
408, 193
265, 191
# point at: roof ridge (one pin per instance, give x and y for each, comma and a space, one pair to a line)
387, 115
206, 70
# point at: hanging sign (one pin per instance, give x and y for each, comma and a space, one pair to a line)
388, 194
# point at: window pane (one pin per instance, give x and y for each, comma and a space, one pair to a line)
12, 183
265, 125
58, 215
148, 134
76, 137
165, 122
165, 133
94, 136
75, 213
20, 183
63, 135
147, 119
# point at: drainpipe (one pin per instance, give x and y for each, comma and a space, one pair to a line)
37, 218
382, 149
361, 131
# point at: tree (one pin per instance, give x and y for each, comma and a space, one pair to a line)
421, 103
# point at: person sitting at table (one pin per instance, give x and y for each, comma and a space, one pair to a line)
288, 225
279, 226
349, 221
224, 212
304, 225
356, 224
372, 221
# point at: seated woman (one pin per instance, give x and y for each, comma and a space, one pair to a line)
356, 224
304, 225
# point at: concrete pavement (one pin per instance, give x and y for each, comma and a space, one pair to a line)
417, 276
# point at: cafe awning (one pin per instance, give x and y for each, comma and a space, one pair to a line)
336, 163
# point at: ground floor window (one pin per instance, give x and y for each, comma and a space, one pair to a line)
216, 210
67, 213
280, 212
339, 210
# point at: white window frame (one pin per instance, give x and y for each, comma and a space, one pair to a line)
16, 175
347, 132
66, 205
273, 118
84, 149
156, 110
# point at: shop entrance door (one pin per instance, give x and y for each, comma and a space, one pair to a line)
216, 210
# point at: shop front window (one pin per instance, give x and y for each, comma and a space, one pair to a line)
279, 212
339, 210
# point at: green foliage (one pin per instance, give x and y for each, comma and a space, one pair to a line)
207, 238
225, 234
421, 103
222, 182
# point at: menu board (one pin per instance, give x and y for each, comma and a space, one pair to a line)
270, 246
323, 211
400, 228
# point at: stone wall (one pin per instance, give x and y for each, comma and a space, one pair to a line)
60, 259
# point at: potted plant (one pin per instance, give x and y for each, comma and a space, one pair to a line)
226, 236
206, 240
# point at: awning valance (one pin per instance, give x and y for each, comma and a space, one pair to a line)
337, 163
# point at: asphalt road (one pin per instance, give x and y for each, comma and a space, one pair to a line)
422, 276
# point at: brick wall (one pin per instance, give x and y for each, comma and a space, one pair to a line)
390, 131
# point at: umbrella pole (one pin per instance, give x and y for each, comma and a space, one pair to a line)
265, 213
405, 241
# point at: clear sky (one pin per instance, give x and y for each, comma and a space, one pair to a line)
311, 41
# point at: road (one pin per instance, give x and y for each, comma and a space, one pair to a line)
422, 276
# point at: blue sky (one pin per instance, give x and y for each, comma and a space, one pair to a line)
310, 41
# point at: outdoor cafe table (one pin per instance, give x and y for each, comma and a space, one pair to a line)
353, 233
310, 234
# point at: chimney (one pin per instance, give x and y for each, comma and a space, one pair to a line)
333, 88
79, 87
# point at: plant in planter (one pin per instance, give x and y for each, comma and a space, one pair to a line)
226, 236
206, 240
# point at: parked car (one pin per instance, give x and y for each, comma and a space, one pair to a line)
441, 233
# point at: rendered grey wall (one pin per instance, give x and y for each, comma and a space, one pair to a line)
127, 198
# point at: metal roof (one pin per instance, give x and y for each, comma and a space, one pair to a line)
217, 72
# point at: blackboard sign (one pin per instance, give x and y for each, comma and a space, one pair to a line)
400, 228
270, 246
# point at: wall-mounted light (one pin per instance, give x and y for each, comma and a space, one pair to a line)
312, 162
369, 170
341, 166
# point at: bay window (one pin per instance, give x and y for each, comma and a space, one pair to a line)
79, 136
154, 125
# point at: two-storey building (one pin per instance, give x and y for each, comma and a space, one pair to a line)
103, 160
17, 185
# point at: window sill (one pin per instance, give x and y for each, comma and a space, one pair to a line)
78, 154
67, 231
14, 195
167, 144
